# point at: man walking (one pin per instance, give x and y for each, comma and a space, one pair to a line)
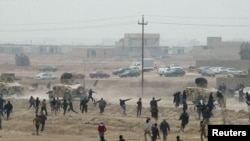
8, 109
101, 130
43, 120
184, 120
102, 105
164, 128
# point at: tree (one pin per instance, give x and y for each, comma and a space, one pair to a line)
22, 60
245, 51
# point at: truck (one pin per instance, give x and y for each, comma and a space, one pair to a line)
8, 85
148, 64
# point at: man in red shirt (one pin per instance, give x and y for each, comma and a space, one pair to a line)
101, 129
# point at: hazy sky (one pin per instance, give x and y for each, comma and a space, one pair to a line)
95, 22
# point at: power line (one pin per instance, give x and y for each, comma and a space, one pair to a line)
187, 17
70, 28
70, 22
191, 24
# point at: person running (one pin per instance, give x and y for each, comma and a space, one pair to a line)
37, 104
71, 108
164, 128
90, 96
65, 105
32, 102
123, 105
8, 109
37, 122
43, 120
102, 105
101, 130
44, 107
155, 132
139, 107
147, 129
184, 120
199, 108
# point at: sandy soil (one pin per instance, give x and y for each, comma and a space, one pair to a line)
83, 127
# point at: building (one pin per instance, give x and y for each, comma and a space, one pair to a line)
131, 45
216, 49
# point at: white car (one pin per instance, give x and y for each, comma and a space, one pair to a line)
162, 69
233, 71
44, 76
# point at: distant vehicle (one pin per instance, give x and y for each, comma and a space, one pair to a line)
99, 74
9, 86
201, 69
217, 70
130, 73
162, 69
48, 68
175, 72
148, 64
120, 70
196, 94
68, 89
208, 72
44, 76
233, 71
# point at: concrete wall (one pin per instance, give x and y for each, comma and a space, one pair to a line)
239, 64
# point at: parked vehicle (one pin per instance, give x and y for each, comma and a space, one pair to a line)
217, 70
48, 68
99, 74
44, 76
201, 69
208, 72
162, 69
233, 71
130, 73
148, 64
175, 72
120, 70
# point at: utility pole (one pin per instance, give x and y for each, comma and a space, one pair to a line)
142, 54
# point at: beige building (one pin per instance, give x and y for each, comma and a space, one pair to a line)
131, 45
216, 49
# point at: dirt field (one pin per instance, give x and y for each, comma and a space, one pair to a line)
83, 127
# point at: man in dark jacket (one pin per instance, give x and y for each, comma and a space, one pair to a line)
177, 98
43, 120
8, 109
164, 128
184, 120
155, 132
84, 105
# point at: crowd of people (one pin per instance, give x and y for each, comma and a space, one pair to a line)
151, 130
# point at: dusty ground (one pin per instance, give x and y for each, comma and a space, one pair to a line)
83, 127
